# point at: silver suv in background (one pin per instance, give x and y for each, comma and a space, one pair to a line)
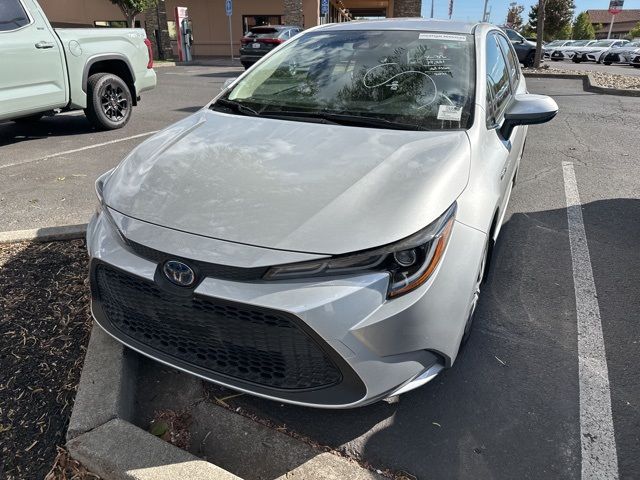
259, 41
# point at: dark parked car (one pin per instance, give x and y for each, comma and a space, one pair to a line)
261, 40
525, 49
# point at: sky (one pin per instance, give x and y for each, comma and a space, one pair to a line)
471, 10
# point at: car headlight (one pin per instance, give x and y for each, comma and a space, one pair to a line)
410, 262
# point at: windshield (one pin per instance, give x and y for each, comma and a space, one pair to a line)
602, 43
556, 43
580, 43
414, 80
262, 32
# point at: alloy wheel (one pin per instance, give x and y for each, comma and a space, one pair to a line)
114, 102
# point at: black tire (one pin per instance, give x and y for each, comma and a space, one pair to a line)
246, 65
109, 101
30, 119
576, 60
636, 66
482, 273
529, 60
556, 59
607, 63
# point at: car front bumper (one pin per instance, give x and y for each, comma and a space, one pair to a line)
378, 348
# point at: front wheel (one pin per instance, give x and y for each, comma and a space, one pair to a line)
607, 63
109, 101
476, 295
576, 60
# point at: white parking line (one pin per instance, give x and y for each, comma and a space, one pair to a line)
76, 150
599, 456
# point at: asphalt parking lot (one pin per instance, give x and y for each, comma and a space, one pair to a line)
47, 171
511, 407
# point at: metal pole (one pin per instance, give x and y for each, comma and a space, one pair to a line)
432, 8
230, 38
613, 17
484, 11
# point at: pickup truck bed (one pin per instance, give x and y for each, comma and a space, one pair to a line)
102, 71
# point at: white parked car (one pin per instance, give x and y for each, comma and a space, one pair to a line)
595, 52
623, 54
551, 46
319, 233
568, 51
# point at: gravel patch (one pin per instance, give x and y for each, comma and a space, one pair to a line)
44, 329
602, 79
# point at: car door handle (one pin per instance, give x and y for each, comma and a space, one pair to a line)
503, 172
44, 45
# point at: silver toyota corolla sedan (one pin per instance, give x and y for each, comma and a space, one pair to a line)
318, 234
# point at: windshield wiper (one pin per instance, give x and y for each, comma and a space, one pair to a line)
366, 121
236, 106
344, 119
340, 119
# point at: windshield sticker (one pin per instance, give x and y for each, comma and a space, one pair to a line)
442, 36
449, 112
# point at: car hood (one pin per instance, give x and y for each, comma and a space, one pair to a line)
289, 185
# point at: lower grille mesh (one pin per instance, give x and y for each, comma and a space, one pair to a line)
261, 346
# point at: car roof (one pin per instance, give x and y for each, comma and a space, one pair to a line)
422, 24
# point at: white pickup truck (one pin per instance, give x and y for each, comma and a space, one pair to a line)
44, 71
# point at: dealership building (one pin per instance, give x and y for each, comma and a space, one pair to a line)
210, 24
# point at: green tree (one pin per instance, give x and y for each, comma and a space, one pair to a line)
132, 8
582, 28
514, 17
557, 18
635, 31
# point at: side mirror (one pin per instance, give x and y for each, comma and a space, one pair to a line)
528, 109
228, 82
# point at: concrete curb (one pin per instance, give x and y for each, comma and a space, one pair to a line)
100, 434
118, 450
589, 83
46, 234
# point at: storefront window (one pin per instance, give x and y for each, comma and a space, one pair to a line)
249, 21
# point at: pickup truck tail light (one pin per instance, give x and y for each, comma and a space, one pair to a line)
147, 42
245, 40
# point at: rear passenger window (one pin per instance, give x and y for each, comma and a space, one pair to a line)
12, 15
512, 61
498, 82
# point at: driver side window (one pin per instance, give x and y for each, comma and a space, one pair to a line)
498, 82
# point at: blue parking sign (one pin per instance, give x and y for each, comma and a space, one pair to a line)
324, 7
228, 6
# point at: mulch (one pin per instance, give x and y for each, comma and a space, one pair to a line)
45, 324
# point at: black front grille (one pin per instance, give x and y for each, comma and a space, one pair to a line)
203, 269
260, 346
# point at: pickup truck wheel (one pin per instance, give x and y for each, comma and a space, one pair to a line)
108, 101
529, 60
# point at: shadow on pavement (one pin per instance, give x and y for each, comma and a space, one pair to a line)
55, 126
231, 74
